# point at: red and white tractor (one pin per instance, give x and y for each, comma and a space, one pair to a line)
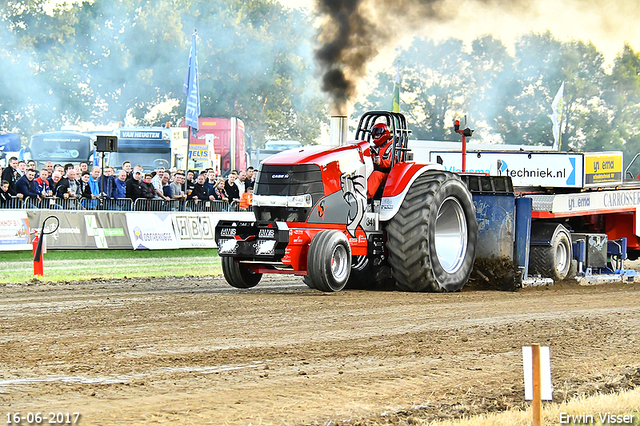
313, 219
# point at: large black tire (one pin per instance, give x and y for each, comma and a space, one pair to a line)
237, 275
329, 261
432, 239
554, 260
362, 273
309, 282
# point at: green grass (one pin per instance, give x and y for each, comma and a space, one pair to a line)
68, 265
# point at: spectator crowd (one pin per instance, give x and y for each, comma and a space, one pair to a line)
84, 187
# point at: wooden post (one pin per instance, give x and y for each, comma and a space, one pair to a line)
536, 403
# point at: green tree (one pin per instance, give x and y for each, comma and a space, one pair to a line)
434, 87
107, 60
493, 70
622, 93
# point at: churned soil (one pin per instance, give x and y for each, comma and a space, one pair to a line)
194, 351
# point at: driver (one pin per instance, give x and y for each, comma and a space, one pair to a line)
381, 154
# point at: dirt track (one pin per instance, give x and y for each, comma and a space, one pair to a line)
193, 351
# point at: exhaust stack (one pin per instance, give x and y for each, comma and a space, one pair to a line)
338, 130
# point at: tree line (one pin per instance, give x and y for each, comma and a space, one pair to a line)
508, 97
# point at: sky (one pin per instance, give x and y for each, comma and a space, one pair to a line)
608, 24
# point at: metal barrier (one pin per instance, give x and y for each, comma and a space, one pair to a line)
155, 205
208, 206
119, 204
13, 203
64, 203
122, 204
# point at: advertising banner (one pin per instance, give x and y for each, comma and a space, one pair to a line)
14, 230
603, 169
83, 230
544, 169
151, 231
198, 229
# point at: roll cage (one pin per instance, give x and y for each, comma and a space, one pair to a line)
397, 126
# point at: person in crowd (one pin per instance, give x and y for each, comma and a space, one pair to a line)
210, 183
26, 188
148, 191
219, 193
246, 199
89, 199
5, 196
10, 174
167, 191
107, 183
32, 165
156, 181
190, 181
177, 185
199, 193
22, 168
84, 187
84, 167
69, 166
232, 189
54, 181
251, 177
134, 186
68, 186
59, 168
240, 182
49, 167
126, 166
42, 184
120, 185
94, 182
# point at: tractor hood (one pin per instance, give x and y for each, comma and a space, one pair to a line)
349, 156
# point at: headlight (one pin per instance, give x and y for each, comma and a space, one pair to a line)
265, 247
300, 201
304, 200
227, 246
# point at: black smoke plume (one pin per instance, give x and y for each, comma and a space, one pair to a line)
354, 32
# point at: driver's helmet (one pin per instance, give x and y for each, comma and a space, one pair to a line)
380, 133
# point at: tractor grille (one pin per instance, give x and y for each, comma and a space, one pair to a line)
287, 180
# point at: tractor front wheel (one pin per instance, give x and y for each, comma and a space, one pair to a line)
237, 275
329, 261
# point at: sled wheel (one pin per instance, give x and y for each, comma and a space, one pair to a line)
329, 261
554, 260
237, 275
432, 239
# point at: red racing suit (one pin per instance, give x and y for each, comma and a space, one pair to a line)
381, 170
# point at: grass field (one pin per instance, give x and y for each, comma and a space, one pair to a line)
66, 265
597, 407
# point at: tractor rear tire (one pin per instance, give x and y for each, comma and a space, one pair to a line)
553, 260
237, 275
329, 261
432, 238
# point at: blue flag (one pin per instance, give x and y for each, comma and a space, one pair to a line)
191, 89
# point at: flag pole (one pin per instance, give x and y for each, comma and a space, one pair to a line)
191, 89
